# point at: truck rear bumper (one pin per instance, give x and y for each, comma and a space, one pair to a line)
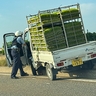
85, 66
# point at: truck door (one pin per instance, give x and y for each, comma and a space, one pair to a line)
27, 41
8, 38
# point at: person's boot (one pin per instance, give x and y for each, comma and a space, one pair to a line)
25, 74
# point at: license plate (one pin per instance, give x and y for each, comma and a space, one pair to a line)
77, 62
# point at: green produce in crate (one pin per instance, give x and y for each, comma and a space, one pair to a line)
56, 36
70, 14
74, 30
48, 17
52, 31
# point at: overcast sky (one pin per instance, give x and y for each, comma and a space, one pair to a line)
13, 13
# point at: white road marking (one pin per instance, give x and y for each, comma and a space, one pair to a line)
4, 74
84, 80
80, 80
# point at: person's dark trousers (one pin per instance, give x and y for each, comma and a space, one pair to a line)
15, 55
16, 63
21, 68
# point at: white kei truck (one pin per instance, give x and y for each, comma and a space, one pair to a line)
56, 41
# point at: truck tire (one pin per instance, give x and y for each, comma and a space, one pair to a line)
41, 70
88, 65
50, 72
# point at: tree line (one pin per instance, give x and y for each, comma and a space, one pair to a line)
91, 36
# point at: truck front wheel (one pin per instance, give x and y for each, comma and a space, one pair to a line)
50, 72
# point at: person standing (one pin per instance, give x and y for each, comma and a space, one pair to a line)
17, 52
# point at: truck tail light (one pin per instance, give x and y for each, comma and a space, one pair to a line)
93, 55
60, 64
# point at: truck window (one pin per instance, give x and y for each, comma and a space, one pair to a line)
26, 37
9, 41
8, 45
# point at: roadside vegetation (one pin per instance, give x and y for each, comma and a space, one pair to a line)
2, 58
91, 36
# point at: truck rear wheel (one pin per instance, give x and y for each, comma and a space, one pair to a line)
88, 65
50, 72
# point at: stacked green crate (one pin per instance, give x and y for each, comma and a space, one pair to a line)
48, 18
74, 33
67, 14
37, 39
52, 37
70, 14
79, 33
33, 19
55, 38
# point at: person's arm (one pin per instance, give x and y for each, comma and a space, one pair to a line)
21, 41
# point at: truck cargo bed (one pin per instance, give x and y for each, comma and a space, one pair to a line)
57, 28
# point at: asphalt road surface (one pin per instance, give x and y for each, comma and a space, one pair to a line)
81, 84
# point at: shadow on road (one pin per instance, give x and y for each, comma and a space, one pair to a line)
81, 74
